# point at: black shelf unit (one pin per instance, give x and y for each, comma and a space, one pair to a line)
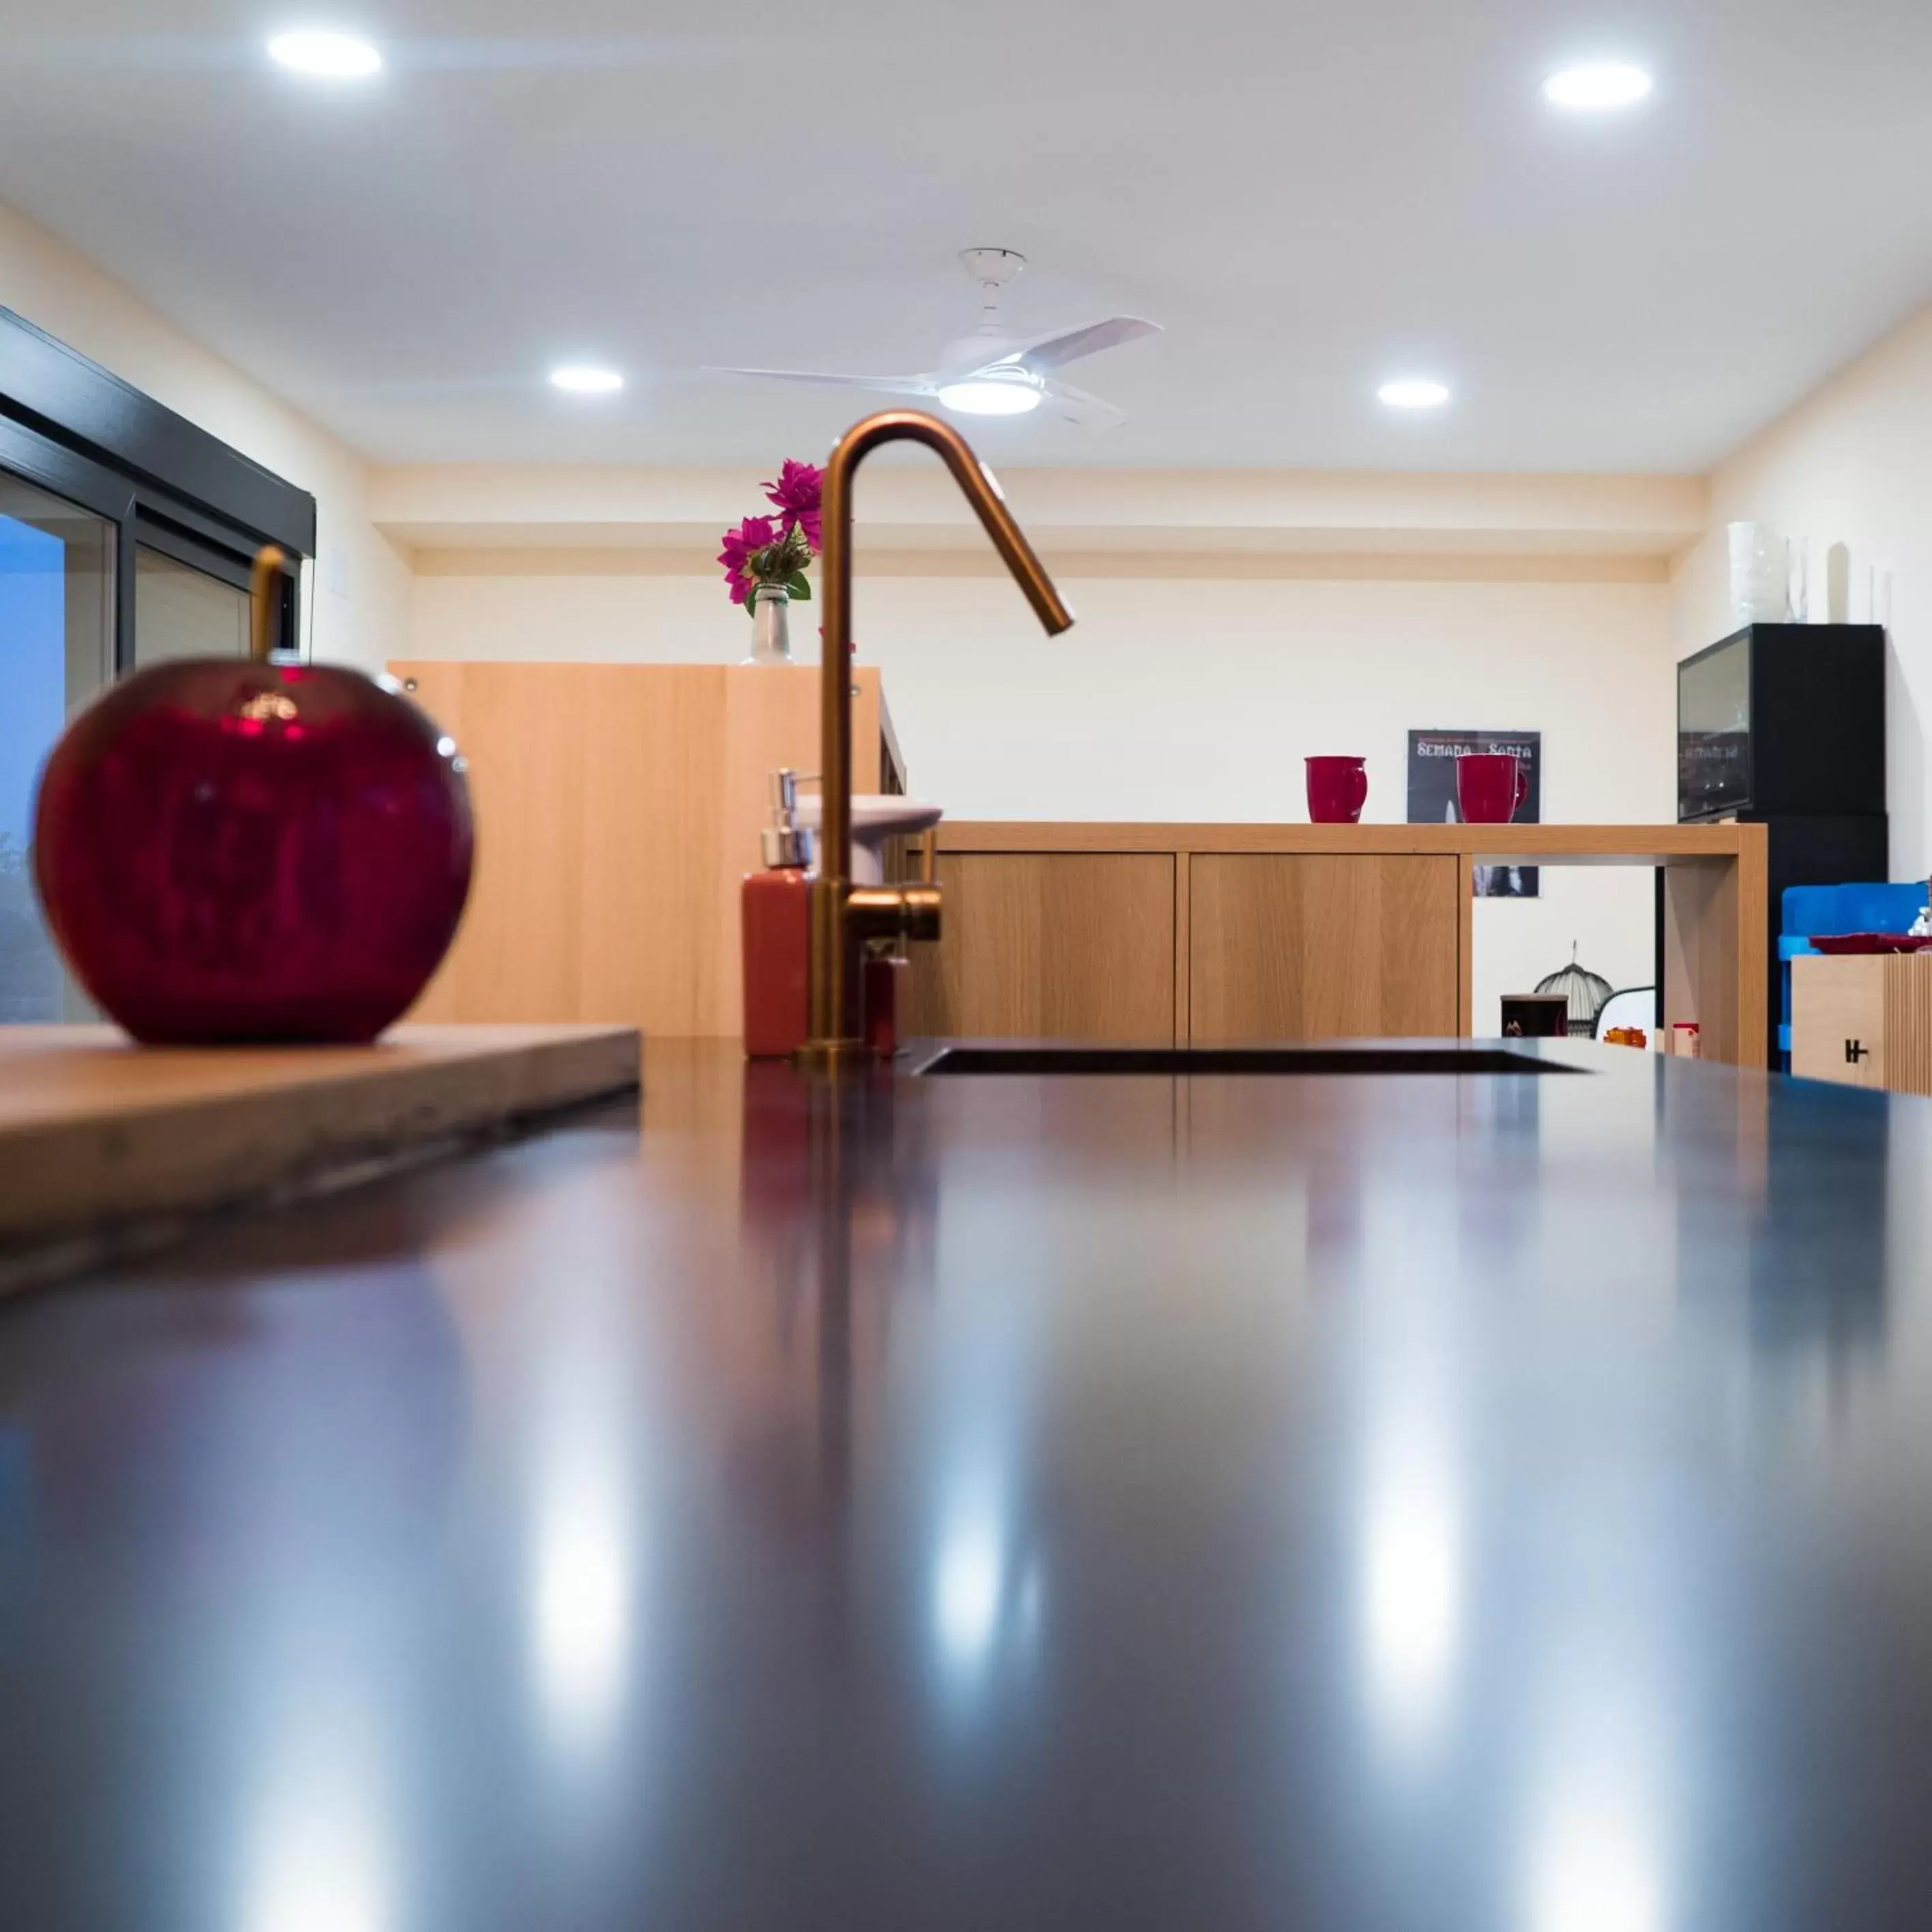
1783, 725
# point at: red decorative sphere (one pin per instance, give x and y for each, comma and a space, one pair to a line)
228, 850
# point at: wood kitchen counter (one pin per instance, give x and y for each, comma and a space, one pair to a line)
1166, 933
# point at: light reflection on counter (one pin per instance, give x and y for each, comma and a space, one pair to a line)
583, 1611
1412, 1554
318, 1854
1412, 1590
582, 1549
1606, 1757
1594, 1864
969, 1584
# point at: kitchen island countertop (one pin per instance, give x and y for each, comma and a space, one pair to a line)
1417, 1502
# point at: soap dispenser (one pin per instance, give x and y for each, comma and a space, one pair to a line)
776, 927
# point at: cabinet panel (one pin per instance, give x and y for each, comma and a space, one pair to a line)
1289, 946
1051, 945
1863, 1021
618, 807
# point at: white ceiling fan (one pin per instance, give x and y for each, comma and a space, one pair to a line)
991, 373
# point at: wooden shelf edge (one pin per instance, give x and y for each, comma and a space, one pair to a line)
1528, 844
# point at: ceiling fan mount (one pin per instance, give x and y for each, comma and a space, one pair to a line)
997, 265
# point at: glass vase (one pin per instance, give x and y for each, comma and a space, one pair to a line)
771, 634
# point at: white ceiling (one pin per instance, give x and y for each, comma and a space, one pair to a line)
1312, 195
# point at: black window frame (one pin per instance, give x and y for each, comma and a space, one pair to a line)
79, 431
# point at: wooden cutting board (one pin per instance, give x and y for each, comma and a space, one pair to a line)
96, 1134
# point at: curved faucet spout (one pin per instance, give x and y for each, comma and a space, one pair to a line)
831, 934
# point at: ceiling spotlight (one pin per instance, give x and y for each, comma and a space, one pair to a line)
993, 392
335, 56
1597, 88
1413, 392
582, 380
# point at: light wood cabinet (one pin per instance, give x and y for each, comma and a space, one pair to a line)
1863, 1020
618, 808
1297, 932
1051, 945
1295, 946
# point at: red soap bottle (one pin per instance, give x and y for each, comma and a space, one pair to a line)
775, 923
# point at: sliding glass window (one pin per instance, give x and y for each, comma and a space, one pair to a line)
57, 578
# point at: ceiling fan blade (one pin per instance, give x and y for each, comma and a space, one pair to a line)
900, 386
1042, 352
1076, 406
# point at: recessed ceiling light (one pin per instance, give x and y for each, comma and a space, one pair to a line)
580, 379
993, 392
336, 56
1598, 88
1413, 392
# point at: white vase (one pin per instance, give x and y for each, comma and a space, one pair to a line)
771, 633
1761, 583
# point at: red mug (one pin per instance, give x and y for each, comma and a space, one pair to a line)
1337, 790
1490, 786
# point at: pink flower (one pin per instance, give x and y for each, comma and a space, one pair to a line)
797, 493
753, 534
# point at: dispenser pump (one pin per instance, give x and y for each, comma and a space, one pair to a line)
783, 842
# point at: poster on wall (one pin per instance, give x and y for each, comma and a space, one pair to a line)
1432, 794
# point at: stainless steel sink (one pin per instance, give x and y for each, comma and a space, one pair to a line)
1277, 1060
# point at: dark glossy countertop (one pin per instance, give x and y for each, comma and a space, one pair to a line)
1353, 1503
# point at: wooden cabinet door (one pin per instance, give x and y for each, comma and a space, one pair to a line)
1296, 947
1075, 946
1838, 1015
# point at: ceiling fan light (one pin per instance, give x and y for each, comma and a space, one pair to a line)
581, 379
992, 395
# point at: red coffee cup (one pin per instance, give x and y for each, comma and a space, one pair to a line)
1337, 790
1490, 786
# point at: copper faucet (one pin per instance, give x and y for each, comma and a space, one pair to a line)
843, 914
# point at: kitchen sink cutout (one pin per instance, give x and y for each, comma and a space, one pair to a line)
1276, 1060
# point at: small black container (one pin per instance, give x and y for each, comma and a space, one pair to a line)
1536, 1016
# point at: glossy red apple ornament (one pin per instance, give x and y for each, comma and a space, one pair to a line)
231, 849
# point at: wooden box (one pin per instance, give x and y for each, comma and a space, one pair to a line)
1864, 1020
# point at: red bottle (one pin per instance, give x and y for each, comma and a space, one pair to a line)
776, 921
883, 978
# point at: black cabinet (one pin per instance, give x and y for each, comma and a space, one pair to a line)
1783, 721
1783, 725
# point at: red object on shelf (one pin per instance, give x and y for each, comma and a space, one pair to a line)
230, 850
1338, 788
1870, 942
885, 978
776, 921
1489, 787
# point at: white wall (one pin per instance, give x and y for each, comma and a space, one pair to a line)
1190, 698
358, 596
1851, 464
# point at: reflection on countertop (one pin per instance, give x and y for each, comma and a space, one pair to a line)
1409, 1502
